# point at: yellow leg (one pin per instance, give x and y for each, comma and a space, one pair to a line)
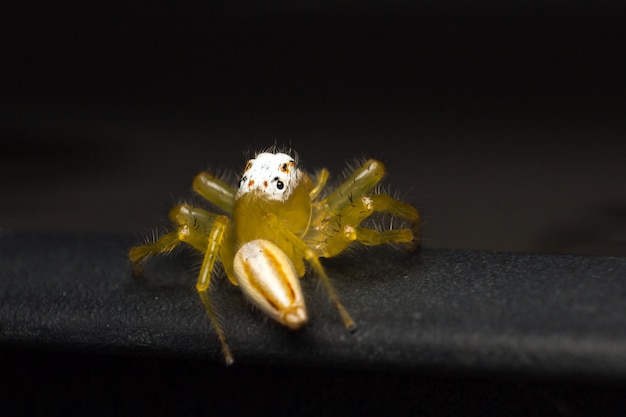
205, 232
342, 228
374, 237
196, 225
320, 182
140, 254
360, 182
215, 190
214, 241
304, 251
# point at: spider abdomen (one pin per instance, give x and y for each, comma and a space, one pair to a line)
268, 278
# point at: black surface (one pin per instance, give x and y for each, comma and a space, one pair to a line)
441, 309
477, 327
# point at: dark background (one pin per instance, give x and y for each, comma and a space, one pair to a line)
503, 123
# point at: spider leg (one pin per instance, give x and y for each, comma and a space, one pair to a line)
320, 182
215, 190
212, 250
195, 226
139, 254
206, 232
358, 184
343, 228
187, 218
308, 254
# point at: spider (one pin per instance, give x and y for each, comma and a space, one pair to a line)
276, 221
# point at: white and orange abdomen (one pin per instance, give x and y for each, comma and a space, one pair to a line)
269, 280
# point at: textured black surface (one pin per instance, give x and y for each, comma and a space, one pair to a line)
437, 310
441, 332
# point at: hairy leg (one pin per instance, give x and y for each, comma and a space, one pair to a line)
195, 227
214, 242
342, 228
362, 180
139, 254
204, 231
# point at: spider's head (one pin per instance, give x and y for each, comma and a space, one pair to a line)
271, 175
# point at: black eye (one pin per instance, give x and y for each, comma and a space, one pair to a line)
280, 185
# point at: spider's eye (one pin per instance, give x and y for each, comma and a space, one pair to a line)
286, 167
280, 185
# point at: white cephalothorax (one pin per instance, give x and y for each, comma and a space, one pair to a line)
273, 174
